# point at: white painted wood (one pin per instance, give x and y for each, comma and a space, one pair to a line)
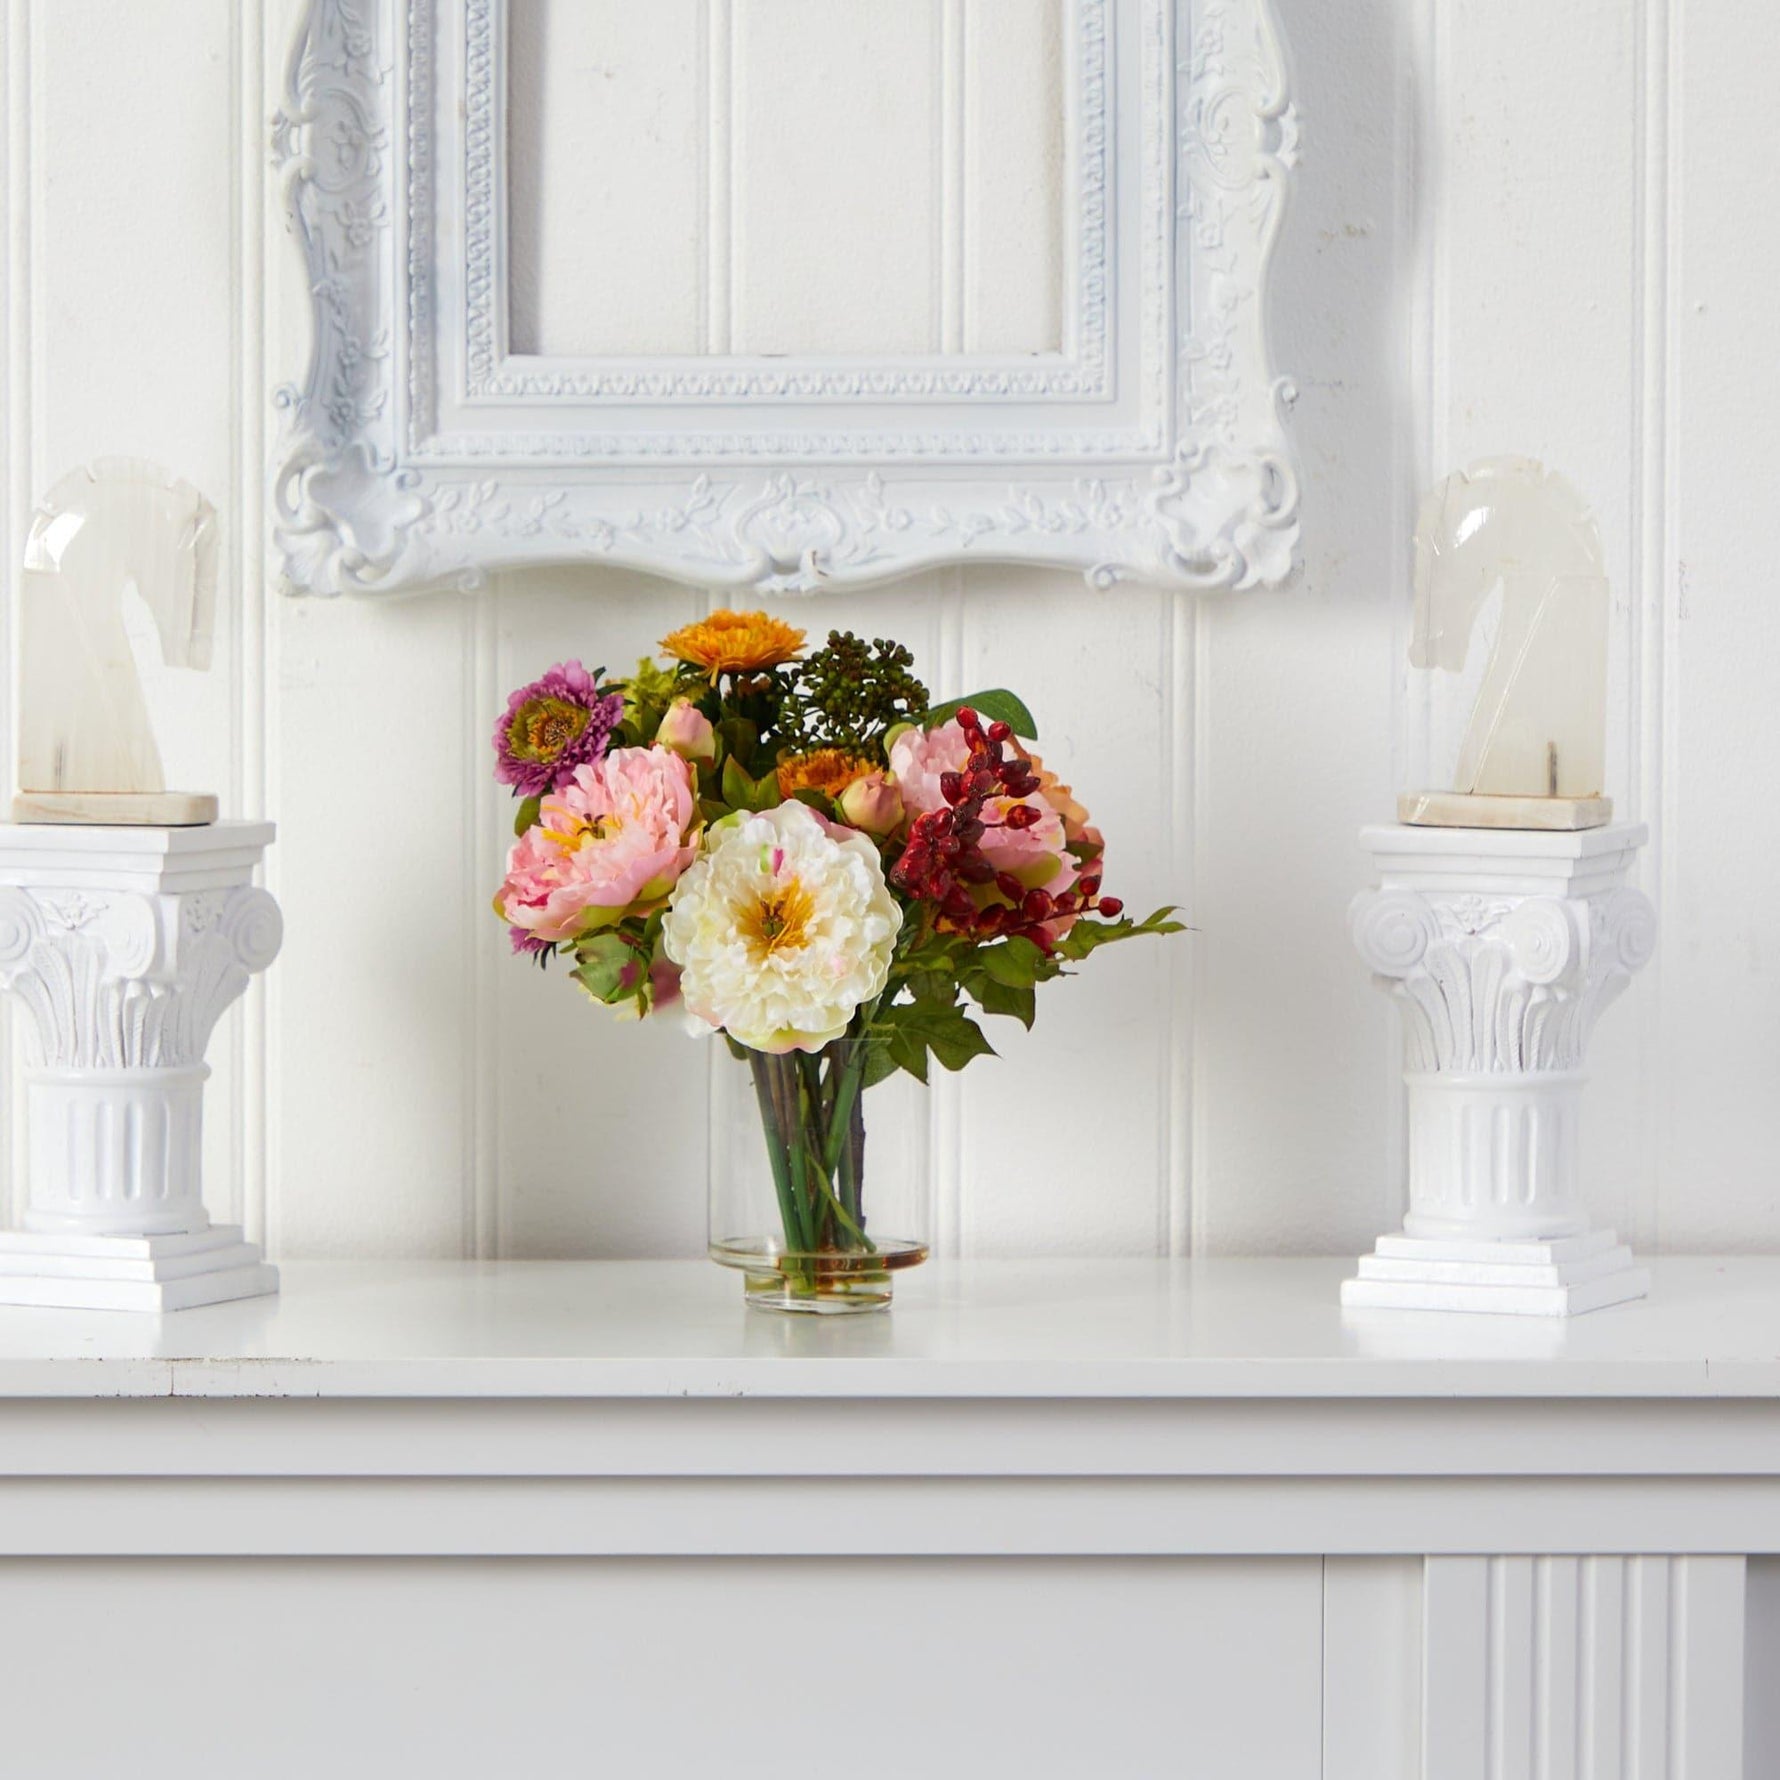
1707, 1641
1012, 174
606, 176
460, 1670
1456, 1662
838, 178
1085, 1047
1593, 1668
355, 687
702, 1517
1705, 1344
1718, 649
629, 1408
568, 1412
1371, 1682
1761, 1663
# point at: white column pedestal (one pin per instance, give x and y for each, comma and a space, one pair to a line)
1502, 947
125, 945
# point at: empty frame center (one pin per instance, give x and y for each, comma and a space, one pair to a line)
786, 177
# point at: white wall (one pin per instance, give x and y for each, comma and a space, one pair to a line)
1517, 227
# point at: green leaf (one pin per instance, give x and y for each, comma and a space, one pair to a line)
962, 1040
740, 737
880, 1064
1011, 1001
939, 1026
909, 1053
819, 801
527, 816
743, 793
1089, 936
1017, 962
738, 788
995, 706
605, 966
933, 989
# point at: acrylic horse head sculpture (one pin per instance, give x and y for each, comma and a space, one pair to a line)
84, 732
1538, 728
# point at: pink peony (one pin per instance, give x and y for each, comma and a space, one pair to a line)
611, 844
1038, 856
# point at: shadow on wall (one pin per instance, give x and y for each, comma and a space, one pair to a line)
1296, 696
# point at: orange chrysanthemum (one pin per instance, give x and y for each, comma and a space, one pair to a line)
828, 770
734, 643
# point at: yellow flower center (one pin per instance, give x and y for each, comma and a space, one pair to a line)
780, 920
594, 828
544, 727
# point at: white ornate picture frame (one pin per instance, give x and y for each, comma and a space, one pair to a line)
419, 451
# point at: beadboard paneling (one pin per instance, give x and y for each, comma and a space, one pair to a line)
611, 260
599, 1126
1721, 651
1515, 229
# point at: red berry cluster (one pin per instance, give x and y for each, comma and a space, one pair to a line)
943, 861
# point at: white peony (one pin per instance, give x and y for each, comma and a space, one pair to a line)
782, 928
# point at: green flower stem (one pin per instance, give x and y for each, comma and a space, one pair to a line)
810, 1111
852, 1078
806, 1161
845, 1217
852, 1168
778, 1153
792, 1128
846, 1075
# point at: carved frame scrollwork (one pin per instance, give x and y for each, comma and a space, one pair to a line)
416, 451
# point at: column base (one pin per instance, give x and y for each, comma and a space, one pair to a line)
142, 1273
1562, 1277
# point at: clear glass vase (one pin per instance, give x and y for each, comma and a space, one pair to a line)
793, 1205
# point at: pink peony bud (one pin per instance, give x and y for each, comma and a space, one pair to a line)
872, 804
687, 731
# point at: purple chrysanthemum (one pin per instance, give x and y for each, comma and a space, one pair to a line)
526, 943
549, 728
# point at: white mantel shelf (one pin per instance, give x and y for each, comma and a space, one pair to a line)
1054, 1407
1031, 1329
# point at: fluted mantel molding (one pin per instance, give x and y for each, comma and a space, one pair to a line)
1503, 949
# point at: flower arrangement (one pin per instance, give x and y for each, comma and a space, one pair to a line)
801, 851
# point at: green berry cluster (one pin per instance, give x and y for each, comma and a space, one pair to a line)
850, 693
